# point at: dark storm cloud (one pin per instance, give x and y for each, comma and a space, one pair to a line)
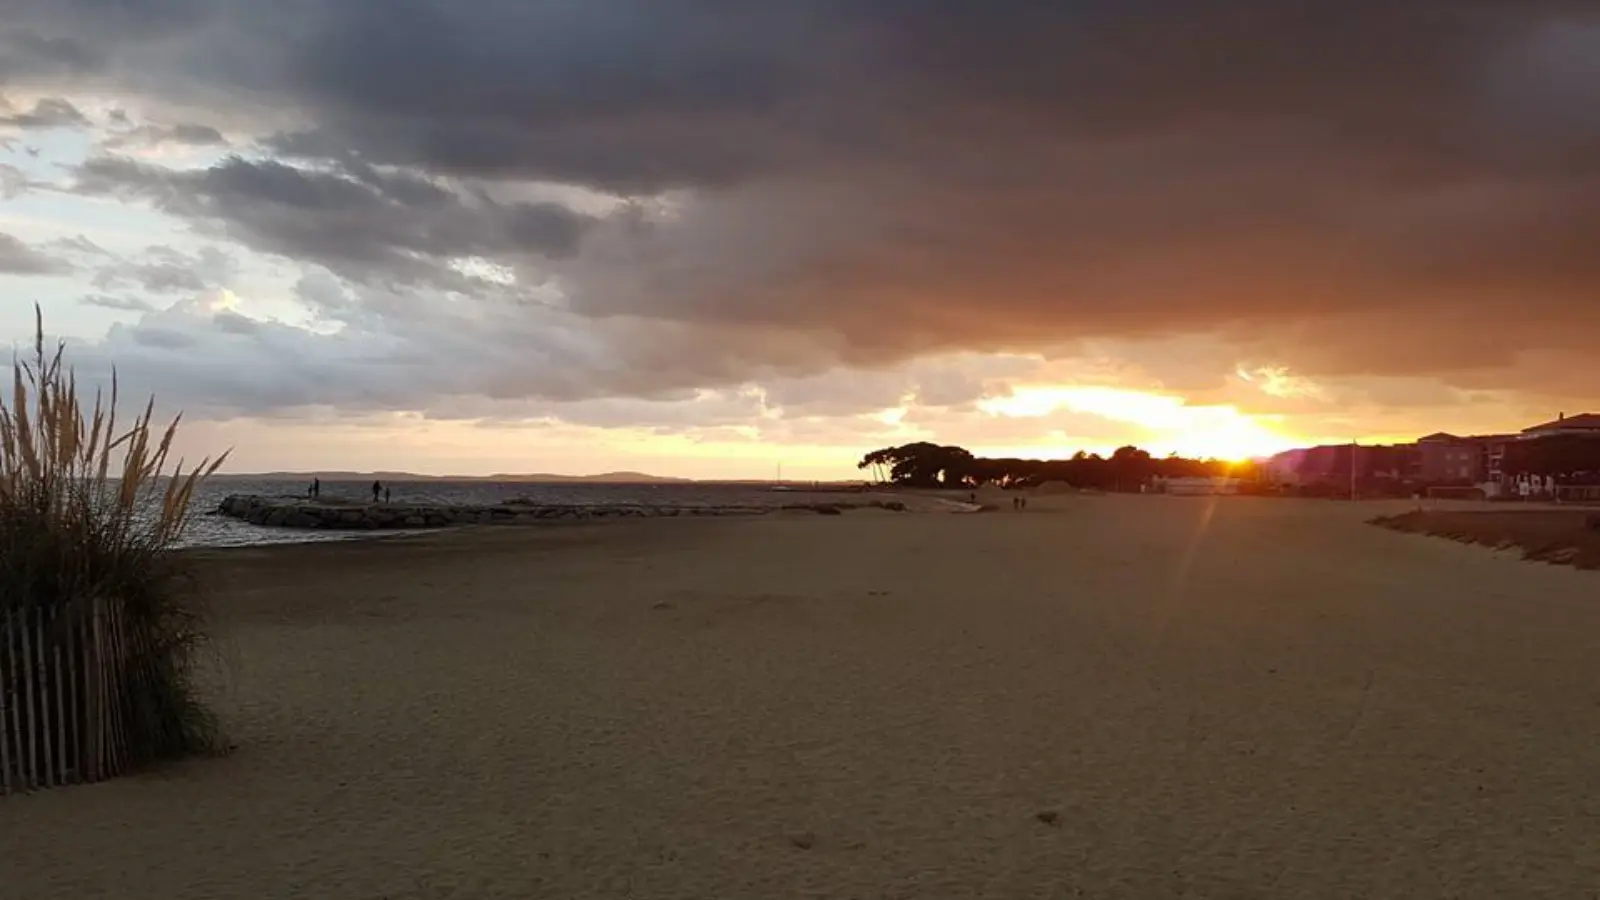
1315, 182
25, 52
359, 221
17, 258
634, 95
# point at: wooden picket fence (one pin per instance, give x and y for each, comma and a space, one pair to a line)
62, 696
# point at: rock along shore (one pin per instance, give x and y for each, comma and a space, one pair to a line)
299, 512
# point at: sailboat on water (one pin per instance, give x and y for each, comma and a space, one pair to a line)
777, 483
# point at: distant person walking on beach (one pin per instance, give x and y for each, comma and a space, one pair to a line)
316, 488
377, 489
385, 495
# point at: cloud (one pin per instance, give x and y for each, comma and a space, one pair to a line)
80, 246
359, 221
13, 182
185, 134
386, 348
50, 112
17, 258
121, 304
1277, 381
776, 190
27, 53
456, 356
164, 270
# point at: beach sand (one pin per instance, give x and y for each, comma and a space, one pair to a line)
1104, 696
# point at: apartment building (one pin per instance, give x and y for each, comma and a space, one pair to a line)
1587, 425
1438, 459
1448, 459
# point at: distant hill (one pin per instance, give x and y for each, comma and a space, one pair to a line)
399, 477
603, 478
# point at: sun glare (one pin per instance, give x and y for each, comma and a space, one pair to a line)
1161, 423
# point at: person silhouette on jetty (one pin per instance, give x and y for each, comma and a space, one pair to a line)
315, 490
386, 495
377, 489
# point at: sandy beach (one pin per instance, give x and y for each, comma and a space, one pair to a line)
1102, 696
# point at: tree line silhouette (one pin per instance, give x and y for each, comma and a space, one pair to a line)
1571, 459
930, 465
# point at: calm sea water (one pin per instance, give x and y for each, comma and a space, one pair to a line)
221, 531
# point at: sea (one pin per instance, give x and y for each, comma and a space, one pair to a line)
208, 530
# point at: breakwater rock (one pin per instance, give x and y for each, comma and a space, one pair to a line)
299, 512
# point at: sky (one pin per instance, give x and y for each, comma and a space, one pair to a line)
708, 238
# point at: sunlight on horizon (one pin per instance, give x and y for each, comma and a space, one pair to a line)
1172, 424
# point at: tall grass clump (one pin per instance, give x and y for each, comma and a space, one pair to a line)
100, 624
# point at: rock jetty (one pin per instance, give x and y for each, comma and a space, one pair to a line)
299, 512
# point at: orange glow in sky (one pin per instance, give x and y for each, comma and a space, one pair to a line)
1168, 423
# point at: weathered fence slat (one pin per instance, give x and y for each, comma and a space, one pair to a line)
30, 775
7, 686
81, 656
53, 752
102, 693
41, 668
117, 710
119, 696
91, 712
72, 637
65, 757
19, 769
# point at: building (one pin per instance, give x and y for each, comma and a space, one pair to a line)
1498, 482
1447, 459
1484, 457
1558, 459
1283, 469
1197, 486
1480, 459
1337, 469
1494, 455
1494, 463
1587, 424
1326, 464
